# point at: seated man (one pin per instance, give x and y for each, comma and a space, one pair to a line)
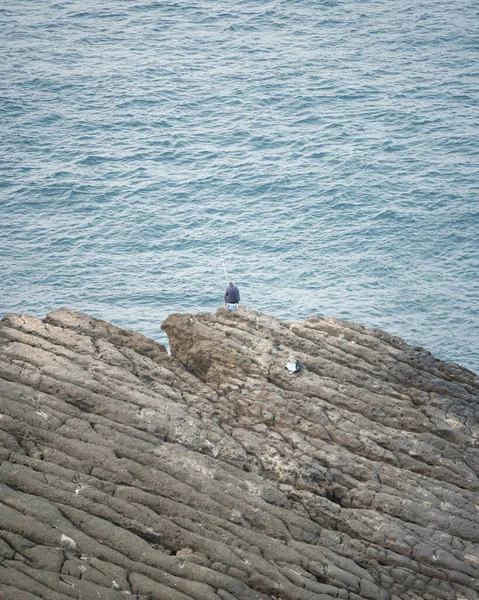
232, 296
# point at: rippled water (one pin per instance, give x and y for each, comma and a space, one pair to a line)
330, 145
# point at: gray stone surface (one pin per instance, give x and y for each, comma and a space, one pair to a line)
216, 474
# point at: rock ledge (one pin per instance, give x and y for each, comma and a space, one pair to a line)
215, 473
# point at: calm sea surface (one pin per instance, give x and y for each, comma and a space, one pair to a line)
330, 146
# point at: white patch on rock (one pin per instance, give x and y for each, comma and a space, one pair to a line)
78, 489
472, 558
253, 489
453, 423
67, 543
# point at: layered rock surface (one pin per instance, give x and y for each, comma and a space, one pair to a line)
217, 474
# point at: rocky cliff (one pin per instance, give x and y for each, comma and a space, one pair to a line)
217, 473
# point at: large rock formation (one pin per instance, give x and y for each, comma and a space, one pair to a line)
217, 473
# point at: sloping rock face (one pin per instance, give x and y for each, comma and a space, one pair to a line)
217, 474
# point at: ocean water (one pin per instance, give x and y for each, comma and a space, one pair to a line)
326, 149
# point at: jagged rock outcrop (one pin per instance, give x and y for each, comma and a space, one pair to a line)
217, 474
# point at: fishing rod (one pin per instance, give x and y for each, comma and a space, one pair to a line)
222, 259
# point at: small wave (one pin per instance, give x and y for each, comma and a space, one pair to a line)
49, 119
92, 160
242, 27
386, 214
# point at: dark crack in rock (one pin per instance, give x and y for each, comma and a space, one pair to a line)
217, 473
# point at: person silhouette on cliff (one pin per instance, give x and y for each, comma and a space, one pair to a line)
232, 296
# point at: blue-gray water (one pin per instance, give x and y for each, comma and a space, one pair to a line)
332, 146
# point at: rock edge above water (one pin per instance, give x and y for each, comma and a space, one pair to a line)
217, 474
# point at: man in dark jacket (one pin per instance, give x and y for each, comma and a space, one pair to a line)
232, 295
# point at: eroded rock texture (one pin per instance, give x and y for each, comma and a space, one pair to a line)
216, 474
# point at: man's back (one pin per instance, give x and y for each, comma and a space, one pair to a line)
232, 295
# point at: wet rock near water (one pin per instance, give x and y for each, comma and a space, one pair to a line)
219, 472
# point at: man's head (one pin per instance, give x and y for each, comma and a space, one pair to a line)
231, 284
